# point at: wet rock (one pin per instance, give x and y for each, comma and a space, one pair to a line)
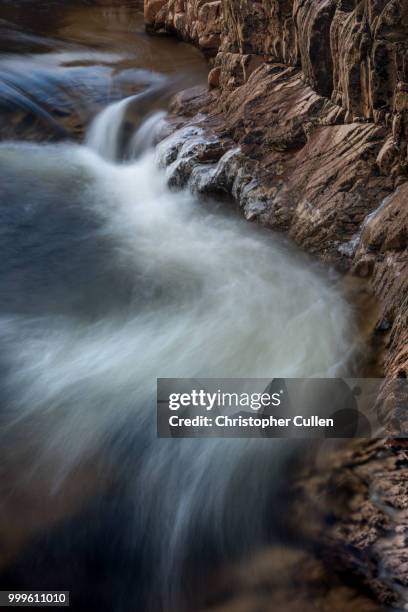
189, 155
195, 21
169, 149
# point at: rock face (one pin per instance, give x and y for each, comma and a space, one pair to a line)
315, 93
193, 20
305, 124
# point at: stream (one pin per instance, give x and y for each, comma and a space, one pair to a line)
109, 280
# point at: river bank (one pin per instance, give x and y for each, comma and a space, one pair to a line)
313, 156
303, 124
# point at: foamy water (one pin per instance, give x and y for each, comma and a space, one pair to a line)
111, 280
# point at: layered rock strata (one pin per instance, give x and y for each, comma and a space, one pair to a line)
315, 95
193, 20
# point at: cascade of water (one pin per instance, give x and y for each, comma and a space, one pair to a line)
108, 134
130, 281
104, 134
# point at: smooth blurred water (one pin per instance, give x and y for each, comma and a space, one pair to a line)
109, 280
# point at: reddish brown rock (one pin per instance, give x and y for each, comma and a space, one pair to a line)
316, 94
313, 23
195, 21
214, 78
385, 237
151, 10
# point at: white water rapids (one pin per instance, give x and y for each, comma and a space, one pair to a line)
110, 280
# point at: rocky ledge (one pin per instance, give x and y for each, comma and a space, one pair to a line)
305, 124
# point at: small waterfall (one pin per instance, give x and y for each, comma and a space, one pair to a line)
105, 133
121, 131
145, 137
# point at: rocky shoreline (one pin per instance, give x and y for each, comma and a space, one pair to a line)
305, 125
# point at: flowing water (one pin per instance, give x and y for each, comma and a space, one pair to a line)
108, 281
